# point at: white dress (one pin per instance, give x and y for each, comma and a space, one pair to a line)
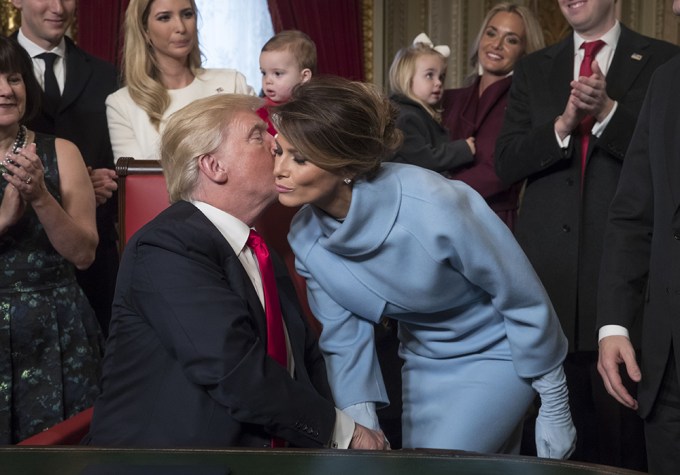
133, 135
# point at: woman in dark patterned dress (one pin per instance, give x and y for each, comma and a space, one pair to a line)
49, 339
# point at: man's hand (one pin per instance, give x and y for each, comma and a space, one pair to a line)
471, 143
588, 97
367, 439
589, 94
104, 183
615, 350
566, 123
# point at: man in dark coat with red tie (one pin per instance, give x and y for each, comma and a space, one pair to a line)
189, 360
564, 208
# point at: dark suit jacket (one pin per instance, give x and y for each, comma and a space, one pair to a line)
426, 142
641, 262
186, 361
559, 226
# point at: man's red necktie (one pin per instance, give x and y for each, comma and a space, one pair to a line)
591, 48
276, 341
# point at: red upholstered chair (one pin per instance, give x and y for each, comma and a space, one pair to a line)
142, 194
68, 432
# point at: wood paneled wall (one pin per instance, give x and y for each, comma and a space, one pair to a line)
394, 24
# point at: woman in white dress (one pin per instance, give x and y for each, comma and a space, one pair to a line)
162, 73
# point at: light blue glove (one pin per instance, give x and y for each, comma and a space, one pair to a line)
555, 432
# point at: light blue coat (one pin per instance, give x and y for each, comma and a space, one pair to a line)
475, 323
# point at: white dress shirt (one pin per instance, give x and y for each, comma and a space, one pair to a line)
39, 64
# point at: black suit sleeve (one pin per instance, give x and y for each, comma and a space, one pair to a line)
193, 304
616, 136
523, 147
625, 260
417, 149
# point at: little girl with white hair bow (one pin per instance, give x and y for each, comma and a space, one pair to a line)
416, 84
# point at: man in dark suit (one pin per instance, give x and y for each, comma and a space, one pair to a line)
640, 270
564, 208
188, 360
79, 115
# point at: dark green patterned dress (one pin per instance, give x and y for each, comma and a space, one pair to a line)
50, 342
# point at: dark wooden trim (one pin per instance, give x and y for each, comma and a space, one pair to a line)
129, 166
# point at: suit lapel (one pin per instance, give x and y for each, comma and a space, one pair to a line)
294, 323
629, 60
241, 284
78, 72
669, 135
234, 272
488, 101
468, 112
558, 67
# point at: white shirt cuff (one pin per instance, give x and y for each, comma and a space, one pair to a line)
597, 130
563, 143
612, 330
364, 414
599, 127
343, 430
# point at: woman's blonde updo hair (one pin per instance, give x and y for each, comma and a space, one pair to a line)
140, 68
345, 127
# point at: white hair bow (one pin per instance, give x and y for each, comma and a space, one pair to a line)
441, 49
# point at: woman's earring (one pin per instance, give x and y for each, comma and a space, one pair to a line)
347, 181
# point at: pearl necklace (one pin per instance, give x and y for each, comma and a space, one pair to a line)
19, 143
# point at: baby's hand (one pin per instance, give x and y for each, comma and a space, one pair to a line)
471, 143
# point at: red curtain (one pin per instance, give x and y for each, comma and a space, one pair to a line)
99, 28
334, 25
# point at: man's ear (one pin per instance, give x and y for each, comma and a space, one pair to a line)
306, 75
17, 4
212, 168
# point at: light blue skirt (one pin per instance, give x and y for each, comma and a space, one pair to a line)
474, 402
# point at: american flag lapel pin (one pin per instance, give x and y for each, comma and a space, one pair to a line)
636, 56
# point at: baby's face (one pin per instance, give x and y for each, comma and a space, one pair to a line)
280, 74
